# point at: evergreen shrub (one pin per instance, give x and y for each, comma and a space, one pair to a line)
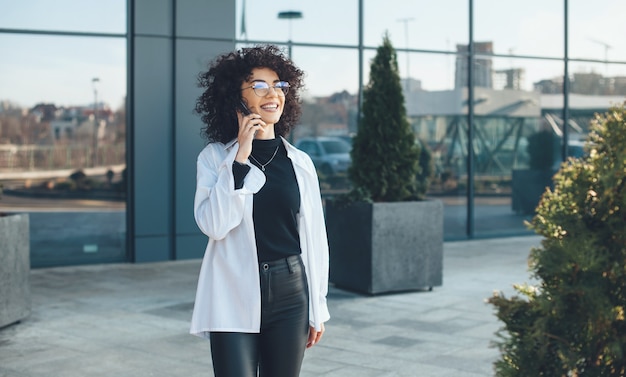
541, 150
572, 323
385, 154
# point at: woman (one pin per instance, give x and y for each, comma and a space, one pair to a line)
262, 288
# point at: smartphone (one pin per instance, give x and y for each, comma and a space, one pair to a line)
245, 111
243, 108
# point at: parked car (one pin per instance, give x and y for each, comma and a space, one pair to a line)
347, 138
331, 155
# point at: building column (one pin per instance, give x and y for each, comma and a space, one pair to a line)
172, 41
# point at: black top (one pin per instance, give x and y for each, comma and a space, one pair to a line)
276, 205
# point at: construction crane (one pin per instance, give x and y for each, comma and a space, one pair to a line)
607, 47
406, 21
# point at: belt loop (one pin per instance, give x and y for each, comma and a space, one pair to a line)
289, 266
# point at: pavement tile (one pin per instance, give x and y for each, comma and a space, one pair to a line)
133, 320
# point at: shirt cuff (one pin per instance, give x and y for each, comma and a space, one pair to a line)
239, 173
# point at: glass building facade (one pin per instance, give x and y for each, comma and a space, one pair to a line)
98, 138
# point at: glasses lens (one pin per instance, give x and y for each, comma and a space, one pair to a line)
261, 89
282, 86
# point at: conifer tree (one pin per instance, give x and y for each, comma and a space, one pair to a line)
573, 323
385, 156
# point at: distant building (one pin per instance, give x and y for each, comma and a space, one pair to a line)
44, 111
618, 84
512, 78
549, 86
63, 129
411, 84
587, 83
483, 66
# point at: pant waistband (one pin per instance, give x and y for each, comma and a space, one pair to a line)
290, 262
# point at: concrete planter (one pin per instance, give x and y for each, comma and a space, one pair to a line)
386, 247
14, 269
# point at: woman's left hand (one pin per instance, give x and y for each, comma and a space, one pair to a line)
314, 336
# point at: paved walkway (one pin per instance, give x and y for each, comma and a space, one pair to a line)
132, 320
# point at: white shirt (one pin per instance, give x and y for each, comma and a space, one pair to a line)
228, 296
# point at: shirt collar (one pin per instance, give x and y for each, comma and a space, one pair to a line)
291, 153
230, 144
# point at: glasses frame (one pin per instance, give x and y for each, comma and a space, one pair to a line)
281, 88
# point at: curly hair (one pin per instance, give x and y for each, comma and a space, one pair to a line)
222, 94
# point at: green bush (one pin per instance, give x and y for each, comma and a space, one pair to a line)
573, 322
541, 149
65, 186
426, 170
385, 154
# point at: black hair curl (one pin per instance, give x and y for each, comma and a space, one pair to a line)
222, 95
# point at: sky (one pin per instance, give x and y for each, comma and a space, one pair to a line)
60, 69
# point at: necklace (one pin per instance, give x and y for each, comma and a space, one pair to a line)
267, 163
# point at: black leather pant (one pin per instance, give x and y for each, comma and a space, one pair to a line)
278, 350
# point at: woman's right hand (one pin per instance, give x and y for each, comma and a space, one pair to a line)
249, 125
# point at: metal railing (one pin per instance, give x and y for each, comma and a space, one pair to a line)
38, 157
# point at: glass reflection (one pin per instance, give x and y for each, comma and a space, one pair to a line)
329, 112
596, 30
436, 25
64, 15
516, 145
535, 28
321, 21
62, 145
438, 116
594, 87
518, 101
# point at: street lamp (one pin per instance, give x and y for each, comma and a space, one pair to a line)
95, 120
289, 15
406, 39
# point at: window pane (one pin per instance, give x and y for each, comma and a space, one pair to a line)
64, 15
324, 75
596, 29
438, 117
594, 87
329, 110
435, 25
321, 21
62, 144
534, 27
508, 116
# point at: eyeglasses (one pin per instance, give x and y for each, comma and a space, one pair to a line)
262, 89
